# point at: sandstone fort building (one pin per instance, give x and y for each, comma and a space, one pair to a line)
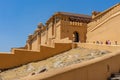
64, 31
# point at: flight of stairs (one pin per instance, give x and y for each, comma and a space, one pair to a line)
114, 76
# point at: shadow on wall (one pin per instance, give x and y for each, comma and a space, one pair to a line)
95, 69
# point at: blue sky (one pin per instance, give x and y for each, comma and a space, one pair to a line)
19, 18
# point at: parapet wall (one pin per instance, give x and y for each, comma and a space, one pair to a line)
111, 48
95, 69
21, 56
5, 52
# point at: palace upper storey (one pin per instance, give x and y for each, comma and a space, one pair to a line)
64, 27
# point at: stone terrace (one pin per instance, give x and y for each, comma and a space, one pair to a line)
70, 57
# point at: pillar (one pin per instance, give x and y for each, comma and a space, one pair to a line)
38, 40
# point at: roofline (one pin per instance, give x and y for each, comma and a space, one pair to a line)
60, 13
106, 10
71, 13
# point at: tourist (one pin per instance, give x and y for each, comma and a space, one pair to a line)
101, 42
116, 43
106, 42
109, 43
97, 42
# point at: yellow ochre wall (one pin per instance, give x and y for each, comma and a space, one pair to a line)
107, 29
100, 70
21, 56
43, 37
111, 48
95, 69
67, 30
34, 45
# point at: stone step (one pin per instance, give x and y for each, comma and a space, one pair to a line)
115, 75
115, 78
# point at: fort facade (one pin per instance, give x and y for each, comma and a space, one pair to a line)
62, 27
62, 32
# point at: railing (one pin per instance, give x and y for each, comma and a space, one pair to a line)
103, 17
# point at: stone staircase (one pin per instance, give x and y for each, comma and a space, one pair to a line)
114, 76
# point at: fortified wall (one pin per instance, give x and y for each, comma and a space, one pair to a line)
54, 37
63, 29
105, 26
96, 69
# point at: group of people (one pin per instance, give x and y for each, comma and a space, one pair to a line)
107, 42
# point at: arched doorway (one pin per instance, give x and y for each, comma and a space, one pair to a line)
75, 37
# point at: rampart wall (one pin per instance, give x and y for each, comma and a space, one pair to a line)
106, 29
21, 56
111, 48
95, 69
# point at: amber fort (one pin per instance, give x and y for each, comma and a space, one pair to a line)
69, 46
